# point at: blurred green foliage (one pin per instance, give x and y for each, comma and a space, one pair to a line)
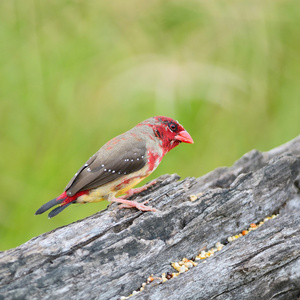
76, 73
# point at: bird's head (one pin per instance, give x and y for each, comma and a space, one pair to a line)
168, 132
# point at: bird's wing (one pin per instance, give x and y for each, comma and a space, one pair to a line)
110, 163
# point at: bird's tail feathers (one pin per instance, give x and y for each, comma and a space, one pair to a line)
48, 205
64, 202
61, 199
57, 210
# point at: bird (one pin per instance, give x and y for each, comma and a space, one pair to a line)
120, 164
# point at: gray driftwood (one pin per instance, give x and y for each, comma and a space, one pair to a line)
110, 254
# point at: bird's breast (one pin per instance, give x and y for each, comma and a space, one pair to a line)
154, 159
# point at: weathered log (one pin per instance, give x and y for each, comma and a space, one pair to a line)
111, 253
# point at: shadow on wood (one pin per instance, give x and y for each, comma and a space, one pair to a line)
112, 253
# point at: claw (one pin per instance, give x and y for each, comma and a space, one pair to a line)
130, 204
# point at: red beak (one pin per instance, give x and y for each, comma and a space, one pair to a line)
185, 137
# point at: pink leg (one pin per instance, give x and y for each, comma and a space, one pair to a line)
129, 204
131, 192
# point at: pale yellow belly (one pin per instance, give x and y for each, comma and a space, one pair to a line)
132, 183
115, 188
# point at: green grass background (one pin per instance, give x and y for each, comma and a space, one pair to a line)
73, 74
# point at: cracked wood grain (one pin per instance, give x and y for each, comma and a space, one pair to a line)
111, 253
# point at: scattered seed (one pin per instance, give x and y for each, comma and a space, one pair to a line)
186, 264
164, 278
202, 256
182, 269
193, 198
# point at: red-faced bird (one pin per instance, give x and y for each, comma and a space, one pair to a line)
120, 164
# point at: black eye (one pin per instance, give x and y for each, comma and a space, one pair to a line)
173, 126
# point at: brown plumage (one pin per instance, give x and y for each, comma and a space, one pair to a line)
121, 164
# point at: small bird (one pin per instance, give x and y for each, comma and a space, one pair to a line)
121, 164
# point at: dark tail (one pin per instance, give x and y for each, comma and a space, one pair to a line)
57, 210
48, 205
60, 199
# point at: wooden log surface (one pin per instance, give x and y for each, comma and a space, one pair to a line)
110, 254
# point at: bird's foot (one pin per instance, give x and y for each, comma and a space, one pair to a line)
130, 204
132, 192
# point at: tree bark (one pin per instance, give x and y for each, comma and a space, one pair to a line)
110, 254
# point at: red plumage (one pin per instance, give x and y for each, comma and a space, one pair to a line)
121, 164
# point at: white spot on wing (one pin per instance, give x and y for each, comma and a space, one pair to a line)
89, 169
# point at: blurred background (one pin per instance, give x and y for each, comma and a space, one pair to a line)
74, 74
